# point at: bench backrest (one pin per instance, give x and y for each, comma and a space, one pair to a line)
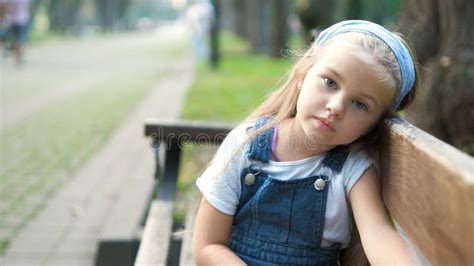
427, 185
428, 188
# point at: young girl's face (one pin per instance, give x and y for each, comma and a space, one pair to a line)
341, 98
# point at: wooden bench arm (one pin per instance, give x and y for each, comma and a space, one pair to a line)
428, 187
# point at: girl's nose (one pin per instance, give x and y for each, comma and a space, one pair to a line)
335, 105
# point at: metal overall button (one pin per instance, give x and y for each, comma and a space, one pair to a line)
320, 183
249, 179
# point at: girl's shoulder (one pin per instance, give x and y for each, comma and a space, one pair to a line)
357, 162
241, 131
236, 138
358, 155
357, 159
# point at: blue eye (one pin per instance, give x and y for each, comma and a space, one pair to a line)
330, 83
360, 105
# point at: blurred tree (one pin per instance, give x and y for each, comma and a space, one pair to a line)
315, 13
378, 11
111, 13
352, 9
258, 21
240, 9
214, 40
266, 25
443, 37
279, 27
63, 15
153, 9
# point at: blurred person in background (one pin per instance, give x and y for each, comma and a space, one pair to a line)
15, 18
4, 25
199, 16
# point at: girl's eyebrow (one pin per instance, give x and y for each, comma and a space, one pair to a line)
370, 97
339, 77
334, 72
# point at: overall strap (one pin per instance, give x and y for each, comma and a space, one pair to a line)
260, 148
335, 159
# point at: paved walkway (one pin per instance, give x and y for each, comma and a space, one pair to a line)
58, 69
115, 183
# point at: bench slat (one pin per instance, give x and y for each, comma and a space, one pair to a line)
428, 187
186, 256
155, 242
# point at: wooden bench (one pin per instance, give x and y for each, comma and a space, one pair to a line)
428, 188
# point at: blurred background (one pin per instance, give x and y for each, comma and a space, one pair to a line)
75, 73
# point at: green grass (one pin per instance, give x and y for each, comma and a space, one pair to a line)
235, 89
231, 43
3, 244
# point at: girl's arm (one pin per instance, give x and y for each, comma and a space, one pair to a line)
211, 234
381, 242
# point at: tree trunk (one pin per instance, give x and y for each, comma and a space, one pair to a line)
241, 15
258, 23
63, 15
111, 12
442, 34
314, 14
279, 27
214, 40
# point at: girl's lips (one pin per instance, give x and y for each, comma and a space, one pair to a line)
324, 124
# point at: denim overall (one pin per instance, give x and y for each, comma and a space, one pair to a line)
282, 222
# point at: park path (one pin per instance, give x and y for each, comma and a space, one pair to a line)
113, 185
62, 68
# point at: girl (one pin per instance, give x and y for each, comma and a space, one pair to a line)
279, 188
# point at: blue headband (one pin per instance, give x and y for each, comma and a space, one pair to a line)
405, 62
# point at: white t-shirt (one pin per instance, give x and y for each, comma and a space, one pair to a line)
220, 182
